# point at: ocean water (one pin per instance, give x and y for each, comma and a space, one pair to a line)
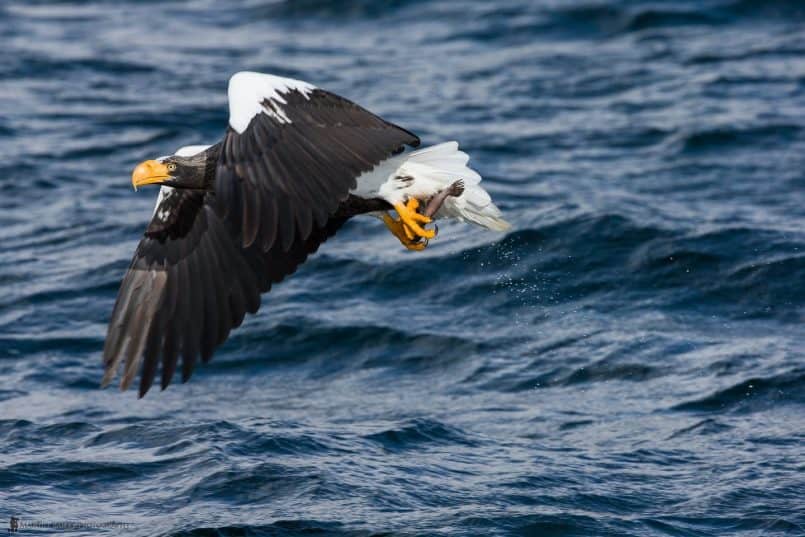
628, 360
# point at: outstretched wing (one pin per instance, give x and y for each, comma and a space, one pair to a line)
291, 154
189, 284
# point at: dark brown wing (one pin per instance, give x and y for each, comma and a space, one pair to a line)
206, 258
189, 284
287, 172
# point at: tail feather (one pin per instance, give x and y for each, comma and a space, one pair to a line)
439, 166
445, 159
488, 216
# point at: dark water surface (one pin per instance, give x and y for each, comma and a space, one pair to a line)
627, 361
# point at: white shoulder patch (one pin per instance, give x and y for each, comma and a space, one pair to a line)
247, 91
190, 150
164, 192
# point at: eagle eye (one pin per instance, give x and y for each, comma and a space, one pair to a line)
171, 167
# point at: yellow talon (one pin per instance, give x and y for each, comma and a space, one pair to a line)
410, 219
395, 226
399, 230
408, 232
413, 205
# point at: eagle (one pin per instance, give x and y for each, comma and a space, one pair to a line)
236, 217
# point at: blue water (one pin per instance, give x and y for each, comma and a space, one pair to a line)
628, 360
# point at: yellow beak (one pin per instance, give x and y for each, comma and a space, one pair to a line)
149, 172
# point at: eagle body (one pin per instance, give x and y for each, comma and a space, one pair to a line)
236, 217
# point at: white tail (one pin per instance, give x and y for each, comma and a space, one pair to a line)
435, 168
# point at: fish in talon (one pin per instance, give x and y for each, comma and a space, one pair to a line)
455, 189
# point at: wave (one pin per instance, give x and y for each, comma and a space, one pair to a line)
65, 475
723, 139
752, 395
419, 433
32, 66
731, 269
745, 271
787, 10
704, 427
262, 482
280, 528
329, 9
613, 19
350, 347
590, 255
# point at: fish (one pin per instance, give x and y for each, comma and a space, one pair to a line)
435, 203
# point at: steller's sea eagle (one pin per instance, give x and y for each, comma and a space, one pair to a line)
236, 217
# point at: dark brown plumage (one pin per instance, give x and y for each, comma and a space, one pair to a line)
258, 205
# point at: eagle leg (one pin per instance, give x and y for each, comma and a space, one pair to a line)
411, 219
398, 229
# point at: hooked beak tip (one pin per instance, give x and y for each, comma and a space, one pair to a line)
148, 173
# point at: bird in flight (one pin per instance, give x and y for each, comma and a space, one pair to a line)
233, 218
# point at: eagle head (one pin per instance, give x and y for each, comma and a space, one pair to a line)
174, 171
